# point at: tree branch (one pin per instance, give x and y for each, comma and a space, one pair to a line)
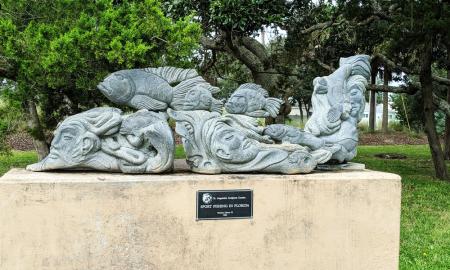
390, 64
256, 48
319, 26
441, 80
212, 44
325, 66
208, 64
243, 54
407, 89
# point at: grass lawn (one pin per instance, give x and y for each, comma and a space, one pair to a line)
425, 223
425, 219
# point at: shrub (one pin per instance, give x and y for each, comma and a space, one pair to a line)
363, 127
396, 126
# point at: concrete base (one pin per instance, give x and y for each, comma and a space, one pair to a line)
326, 220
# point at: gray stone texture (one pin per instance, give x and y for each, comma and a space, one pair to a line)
106, 140
151, 89
215, 144
253, 100
338, 105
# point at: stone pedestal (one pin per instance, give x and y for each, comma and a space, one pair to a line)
78, 220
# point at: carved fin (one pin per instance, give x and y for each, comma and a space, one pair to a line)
145, 102
258, 113
172, 74
180, 90
255, 87
216, 105
273, 106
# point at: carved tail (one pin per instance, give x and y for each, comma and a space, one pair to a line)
273, 106
161, 138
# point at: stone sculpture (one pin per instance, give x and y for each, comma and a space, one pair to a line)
142, 142
252, 100
152, 89
338, 105
213, 144
104, 139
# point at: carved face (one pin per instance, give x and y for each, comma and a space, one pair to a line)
72, 145
231, 146
118, 87
236, 104
197, 98
356, 102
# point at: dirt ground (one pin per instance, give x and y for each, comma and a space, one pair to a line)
20, 141
23, 141
394, 138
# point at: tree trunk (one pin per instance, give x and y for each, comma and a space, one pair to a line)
447, 119
372, 104
385, 120
35, 129
300, 109
437, 154
307, 108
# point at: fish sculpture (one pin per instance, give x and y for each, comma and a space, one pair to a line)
338, 105
213, 145
157, 89
106, 140
252, 100
289, 134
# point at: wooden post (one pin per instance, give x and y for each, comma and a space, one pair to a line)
385, 120
372, 104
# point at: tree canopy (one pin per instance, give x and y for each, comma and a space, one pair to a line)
56, 51
59, 50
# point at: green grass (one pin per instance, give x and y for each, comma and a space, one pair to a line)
18, 159
179, 152
425, 220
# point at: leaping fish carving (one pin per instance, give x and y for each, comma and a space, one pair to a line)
156, 89
252, 100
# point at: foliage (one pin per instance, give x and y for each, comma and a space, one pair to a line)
62, 49
414, 112
231, 73
17, 159
11, 118
396, 126
439, 117
240, 17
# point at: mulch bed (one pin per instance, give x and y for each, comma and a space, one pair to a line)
20, 141
390, 156
23, 141
394, 138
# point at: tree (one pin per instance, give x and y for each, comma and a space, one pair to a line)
229, 27
419, 28
385, 118
57, 51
